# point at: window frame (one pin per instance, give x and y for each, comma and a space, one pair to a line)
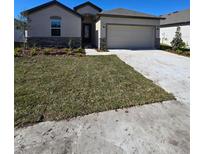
55, 28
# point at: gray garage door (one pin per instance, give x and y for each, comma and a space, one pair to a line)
130, 37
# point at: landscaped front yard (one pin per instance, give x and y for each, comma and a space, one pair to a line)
62, 87
183, 51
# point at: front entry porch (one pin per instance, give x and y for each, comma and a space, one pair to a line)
88, 31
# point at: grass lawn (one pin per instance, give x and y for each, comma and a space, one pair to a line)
62, 87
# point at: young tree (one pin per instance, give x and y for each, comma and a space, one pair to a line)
164, 38
177, 41
21, 23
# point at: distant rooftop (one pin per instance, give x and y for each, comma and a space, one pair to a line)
177, 17
127, 13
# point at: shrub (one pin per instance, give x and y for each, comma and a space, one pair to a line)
71, 44
185, 49
177, 41
68, 50
179, 51
165, 47
47, 51
33, 51
78, 50
17, 52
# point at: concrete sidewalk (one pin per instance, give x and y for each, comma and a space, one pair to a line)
159, 128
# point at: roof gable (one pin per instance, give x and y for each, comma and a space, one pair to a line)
87, 3
53, 2
177, 17
127, 13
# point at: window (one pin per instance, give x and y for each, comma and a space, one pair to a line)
55, 27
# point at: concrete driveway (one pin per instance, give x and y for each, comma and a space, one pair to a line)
169, 71
159, 128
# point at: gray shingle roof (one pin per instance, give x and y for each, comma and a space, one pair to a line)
87, 3
177, 17
127, 13
53, 2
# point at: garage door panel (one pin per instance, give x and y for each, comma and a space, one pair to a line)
132, 37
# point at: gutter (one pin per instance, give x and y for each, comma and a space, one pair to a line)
128, 16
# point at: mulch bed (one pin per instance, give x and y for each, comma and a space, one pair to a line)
22, 52
182, 52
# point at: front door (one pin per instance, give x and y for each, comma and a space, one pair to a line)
87, 34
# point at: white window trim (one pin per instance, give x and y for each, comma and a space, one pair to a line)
55, 27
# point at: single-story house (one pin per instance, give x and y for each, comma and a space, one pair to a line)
54, 24
169, 26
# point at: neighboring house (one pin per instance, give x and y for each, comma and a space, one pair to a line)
19, 33
54, 24
169, 26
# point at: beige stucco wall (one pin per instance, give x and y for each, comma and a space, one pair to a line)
40, 23
133, 21
87, 10
167, 34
